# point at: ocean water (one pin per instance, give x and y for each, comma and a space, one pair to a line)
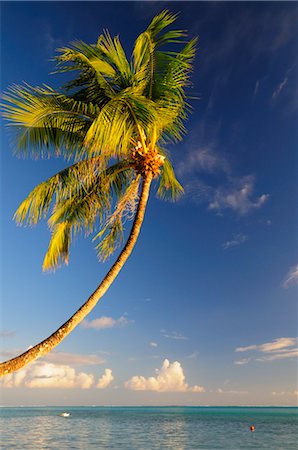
137, 428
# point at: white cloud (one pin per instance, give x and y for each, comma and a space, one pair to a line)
277, 344
105, 322
279, 88
236, 240
49, 375
245, 349
293, 353
173, 335
237, 196
203, 160
63, 358
169, 378
193, 355
242, 361
291, 278
153, 344
295, 393
232, 392
105, 380
279, 348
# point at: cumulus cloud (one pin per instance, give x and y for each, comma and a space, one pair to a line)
236, 240
169, 378
105, 322
105, 380
280, 348
291, 278
49, 375
237, 197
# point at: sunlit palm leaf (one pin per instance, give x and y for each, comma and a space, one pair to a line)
112, 105
112, 233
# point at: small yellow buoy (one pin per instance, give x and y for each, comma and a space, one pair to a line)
252, 428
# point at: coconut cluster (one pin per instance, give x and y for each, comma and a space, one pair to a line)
147, 161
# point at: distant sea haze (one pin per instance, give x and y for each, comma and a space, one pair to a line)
137, 428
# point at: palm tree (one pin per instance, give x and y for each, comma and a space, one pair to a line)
112, 122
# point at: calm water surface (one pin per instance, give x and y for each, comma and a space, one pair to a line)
137, 428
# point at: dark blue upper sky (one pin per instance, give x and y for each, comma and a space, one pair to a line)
212, 281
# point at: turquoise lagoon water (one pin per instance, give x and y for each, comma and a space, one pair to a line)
137, 428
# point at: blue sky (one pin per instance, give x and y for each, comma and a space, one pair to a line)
205, 310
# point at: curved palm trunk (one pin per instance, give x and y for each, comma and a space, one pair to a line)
52, 341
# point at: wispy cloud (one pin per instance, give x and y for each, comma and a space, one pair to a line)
50, 376
153, 344
221, 190
193, 355
236, 240
231, 392
249, 34
293, 353
295, 393
279, 88
256, 90
242, 361
169, 378
246, 349
173, 335
7, 334
280, 348
276, 345
105, 322
291, 278
204, 159
63, 358
238, 196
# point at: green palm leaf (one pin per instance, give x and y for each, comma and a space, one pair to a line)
112, 106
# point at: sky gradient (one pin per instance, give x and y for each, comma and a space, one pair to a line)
205, 310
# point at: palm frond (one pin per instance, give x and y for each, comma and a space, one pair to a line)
95, 70
59, 245
75, 182
111, 234
115, 55
169, 187
46, 120
118, 122
89, 206
110, 108
161, 21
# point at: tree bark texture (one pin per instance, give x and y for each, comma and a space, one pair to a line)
54, 339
